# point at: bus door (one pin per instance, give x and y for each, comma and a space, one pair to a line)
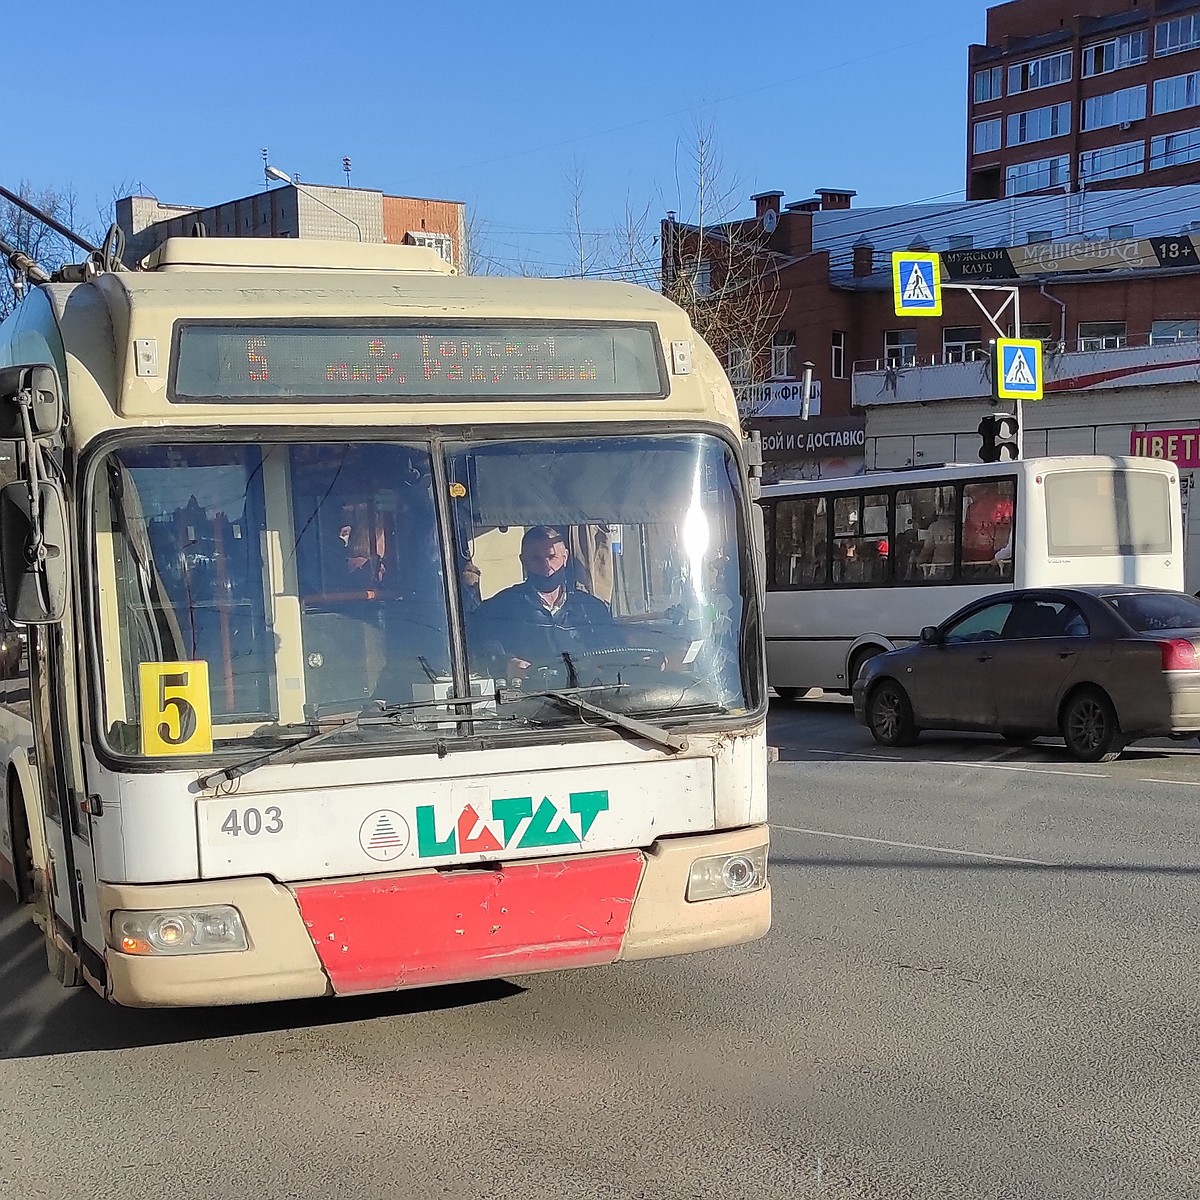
71, 865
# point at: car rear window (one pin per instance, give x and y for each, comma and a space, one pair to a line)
1146, 611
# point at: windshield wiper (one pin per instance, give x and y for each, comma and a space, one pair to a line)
571, 696
390, 714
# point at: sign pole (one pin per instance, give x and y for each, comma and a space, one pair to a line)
1017, 402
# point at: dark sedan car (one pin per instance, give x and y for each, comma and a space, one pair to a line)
1097, 666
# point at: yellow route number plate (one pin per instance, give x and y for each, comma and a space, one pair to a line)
175, 709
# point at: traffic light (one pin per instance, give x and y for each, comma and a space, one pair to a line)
998, 432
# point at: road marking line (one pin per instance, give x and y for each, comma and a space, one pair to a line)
853, 837
1181, 782
949, 762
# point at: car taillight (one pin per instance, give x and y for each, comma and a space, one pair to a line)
1179, 655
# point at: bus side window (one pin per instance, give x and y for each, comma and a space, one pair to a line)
987, 525
801, 543
925, 534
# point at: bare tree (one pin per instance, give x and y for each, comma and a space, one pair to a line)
586, 247
25, 232
712, 263
477, 257
718, 267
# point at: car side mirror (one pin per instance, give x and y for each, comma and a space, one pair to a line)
931, 635
38, 385
33, 555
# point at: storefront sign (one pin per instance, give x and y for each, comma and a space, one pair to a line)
1067, 256
1180, 446
831, 437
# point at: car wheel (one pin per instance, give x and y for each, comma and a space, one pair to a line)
890, 715
1089, 727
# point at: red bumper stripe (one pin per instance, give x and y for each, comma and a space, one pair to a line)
414, 931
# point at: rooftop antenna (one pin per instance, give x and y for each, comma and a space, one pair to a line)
266, 157
346, 168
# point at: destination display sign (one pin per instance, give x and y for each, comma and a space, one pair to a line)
274, 362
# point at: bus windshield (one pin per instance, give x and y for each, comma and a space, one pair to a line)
313, 579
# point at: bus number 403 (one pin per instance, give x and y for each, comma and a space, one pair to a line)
252, 822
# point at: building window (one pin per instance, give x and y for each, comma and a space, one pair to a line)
1180, 91
961, 343
1036, 175
1171, 37
1174, 149
1119, 232
1038, 124
1101, 335
900, 347
1039, 73
783, 356
1035, 236
1174, 331
1113, 162
987, 135
739, 366
1114, 108
838, 365
1125, 51
961, 241
989, 84
443, 243
1038, 329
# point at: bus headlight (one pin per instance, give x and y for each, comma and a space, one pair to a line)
728, 874
178, 930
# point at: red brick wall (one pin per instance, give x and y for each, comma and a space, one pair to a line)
402, 213
1026, 18
1031, 18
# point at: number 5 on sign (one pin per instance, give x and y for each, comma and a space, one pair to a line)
175, 710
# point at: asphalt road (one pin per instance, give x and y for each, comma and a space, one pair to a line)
981, 982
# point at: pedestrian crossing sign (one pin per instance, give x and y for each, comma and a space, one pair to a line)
1018, 369
917, 283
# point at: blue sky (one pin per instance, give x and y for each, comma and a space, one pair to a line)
496, 106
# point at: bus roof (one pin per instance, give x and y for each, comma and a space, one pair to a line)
195, 276
949, 472
306, 254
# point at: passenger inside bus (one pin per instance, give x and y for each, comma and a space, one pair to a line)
987, 530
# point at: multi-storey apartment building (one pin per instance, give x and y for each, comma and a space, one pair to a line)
1058, 101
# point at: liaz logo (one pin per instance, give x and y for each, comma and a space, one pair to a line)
514, 825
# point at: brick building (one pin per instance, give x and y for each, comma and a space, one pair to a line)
302, 210
1109, 284
1110, 99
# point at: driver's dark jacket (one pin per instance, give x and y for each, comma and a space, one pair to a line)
516, 624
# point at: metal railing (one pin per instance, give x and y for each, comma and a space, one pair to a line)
1053, 346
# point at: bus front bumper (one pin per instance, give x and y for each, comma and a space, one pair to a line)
424, 928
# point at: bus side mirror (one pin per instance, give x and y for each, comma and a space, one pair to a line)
931, 635
33, 561
38, 387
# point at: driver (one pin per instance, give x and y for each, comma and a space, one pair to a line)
546, 616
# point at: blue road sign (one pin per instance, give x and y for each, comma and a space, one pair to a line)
917, 283
1018, 369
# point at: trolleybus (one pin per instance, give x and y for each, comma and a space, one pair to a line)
271, 735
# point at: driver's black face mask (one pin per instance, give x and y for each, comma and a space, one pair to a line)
553, 581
